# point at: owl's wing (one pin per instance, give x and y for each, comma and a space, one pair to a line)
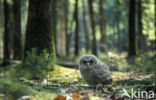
103, 74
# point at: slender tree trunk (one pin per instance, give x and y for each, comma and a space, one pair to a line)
140, 17
94, 47
142, 39
54, 23
102, 26
66, 25
118, 15
85, 27
17, 46
39, 34
1, 7
132, 31
71, 29
118, 35
6, 53
155, 28
77, 29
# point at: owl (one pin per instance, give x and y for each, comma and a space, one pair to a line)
93, 70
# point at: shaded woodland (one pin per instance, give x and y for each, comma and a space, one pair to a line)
41, 38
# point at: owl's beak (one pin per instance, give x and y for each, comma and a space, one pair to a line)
88, 64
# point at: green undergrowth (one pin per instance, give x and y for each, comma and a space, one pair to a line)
120, 62
14, 90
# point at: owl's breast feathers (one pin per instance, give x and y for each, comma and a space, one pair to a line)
102, 74
88, 76
98, 75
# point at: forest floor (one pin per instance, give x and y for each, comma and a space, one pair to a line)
66, 84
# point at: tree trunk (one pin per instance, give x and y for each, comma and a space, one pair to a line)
39, 34
140, 17
6, 53
142, 42
102, 26
77, 29
132, 31
118, 17
94, 47
66, 25
155, 28
85, 27
17, 44
54, 23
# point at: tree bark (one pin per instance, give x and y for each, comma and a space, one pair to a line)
140, 17
77, 29
155, 28
85, 27
17, 44
142, 38
39, 34
66, 25
132, 29
94, 47
54, 23
6, 53
102, 26
117, 25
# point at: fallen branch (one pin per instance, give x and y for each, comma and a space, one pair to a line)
69, 65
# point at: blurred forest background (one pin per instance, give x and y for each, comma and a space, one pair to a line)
93, 26
42, 33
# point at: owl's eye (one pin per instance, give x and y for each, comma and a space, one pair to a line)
84, 62
91, 61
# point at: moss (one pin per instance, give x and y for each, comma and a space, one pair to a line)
63, 75
44, 96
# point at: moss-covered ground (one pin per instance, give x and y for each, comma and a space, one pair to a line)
66, 83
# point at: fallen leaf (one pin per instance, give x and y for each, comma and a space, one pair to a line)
59, 97
110, 89
94, 94
76, 96
112, 96
114, 85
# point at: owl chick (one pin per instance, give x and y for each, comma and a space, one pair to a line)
93, 70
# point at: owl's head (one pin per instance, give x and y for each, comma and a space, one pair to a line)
87, 61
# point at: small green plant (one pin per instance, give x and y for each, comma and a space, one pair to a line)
36, 65
13, 90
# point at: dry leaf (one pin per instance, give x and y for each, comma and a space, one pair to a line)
94, 94
76, 96
110, 89
114, 85
59, 97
